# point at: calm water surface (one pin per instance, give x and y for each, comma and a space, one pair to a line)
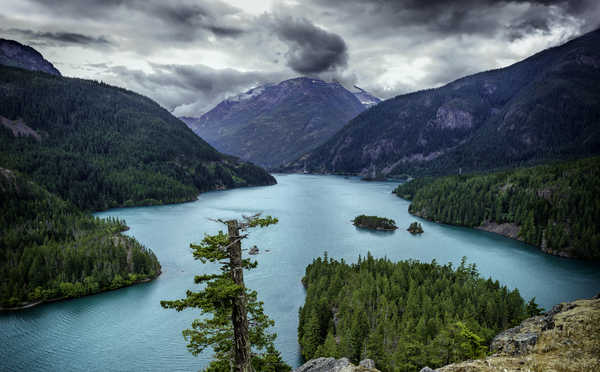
127, 330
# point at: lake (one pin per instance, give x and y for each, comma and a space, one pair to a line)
127, 330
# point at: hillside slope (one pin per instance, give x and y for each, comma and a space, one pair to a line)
555, 207
274, 124
544, 107
100, 146
49, 249
563, 339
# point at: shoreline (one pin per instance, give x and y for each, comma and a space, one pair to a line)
374, 229
487, 227
30, 305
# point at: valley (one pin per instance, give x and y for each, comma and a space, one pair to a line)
315, 214
113, 202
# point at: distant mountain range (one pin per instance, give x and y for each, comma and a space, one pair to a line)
274, 124
15, 54
544, 107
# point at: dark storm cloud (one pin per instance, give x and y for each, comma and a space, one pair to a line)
62, 38
184, 18
194, 16
448, 17
312, 50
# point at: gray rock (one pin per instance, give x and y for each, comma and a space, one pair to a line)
367, 363
327, 365
514, 341
427, 369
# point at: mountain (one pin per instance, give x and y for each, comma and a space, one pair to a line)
99, 146
16, 54
544, 107
68, 146
275, 123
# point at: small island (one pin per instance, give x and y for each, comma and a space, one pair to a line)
415, 228
374, 223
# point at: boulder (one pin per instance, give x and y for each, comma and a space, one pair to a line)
367, 363
336, 365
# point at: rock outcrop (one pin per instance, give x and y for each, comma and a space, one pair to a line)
336, 365
566, 338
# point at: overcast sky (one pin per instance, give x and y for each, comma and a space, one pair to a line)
190, 54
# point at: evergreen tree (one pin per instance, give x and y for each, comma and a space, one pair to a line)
403, 315
238, 328
555, 207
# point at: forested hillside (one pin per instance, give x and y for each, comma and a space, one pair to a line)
100, 146
49, 249
403, 315
545, 107
555, 207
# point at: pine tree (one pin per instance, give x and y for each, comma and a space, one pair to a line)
238, 328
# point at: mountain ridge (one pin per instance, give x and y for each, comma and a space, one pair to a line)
15, 54
540, 108
99, 146
274, 123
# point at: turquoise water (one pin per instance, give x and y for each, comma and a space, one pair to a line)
127, 330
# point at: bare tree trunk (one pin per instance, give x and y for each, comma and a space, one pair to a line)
239, 317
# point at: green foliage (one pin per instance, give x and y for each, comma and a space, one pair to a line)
50, 249
555, 206
408, 189
403, 315
104, 147
216, 299
415, 228
374, 222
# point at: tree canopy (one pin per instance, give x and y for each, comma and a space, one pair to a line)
555, 206
403, 315
50, 249
233, 322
